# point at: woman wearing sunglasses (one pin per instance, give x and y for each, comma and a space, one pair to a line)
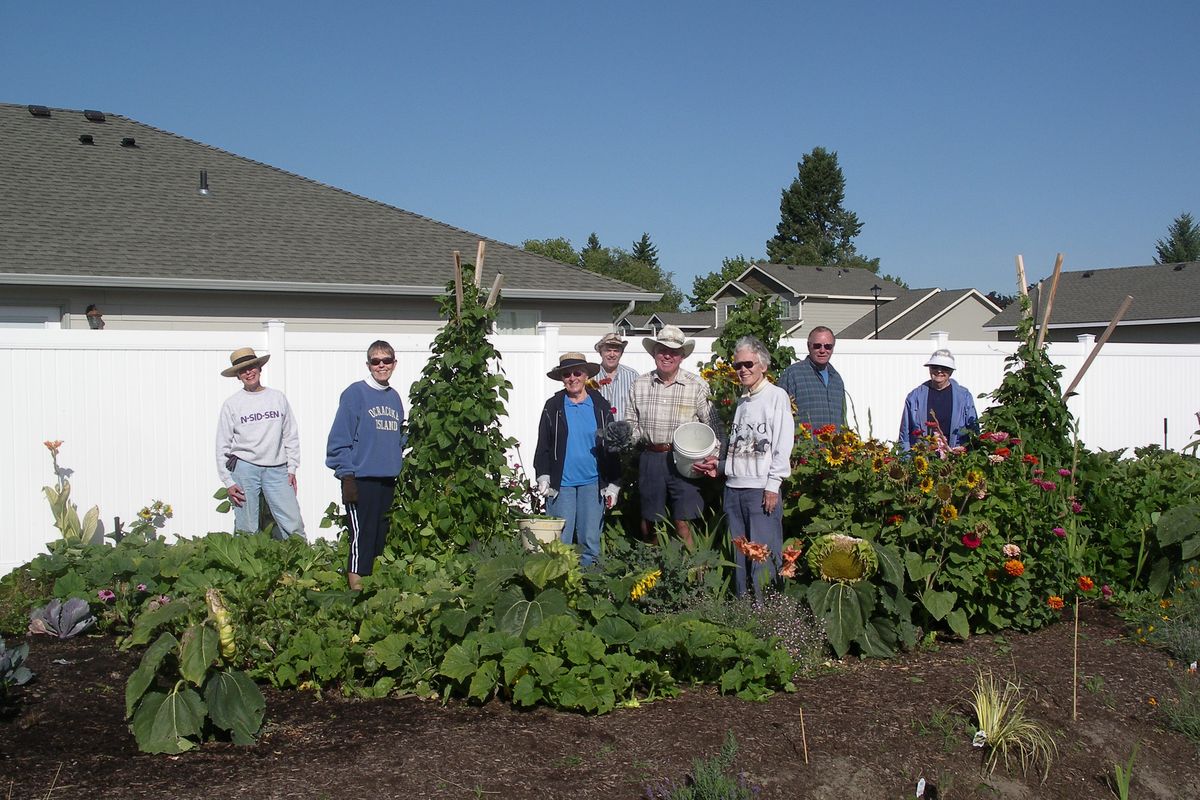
574, 471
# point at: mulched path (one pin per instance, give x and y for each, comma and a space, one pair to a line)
871, 730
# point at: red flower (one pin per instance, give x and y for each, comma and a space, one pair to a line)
1086, 584
604, 381
1003, 451
971, 540
895, 519
1055, 602
1029, 459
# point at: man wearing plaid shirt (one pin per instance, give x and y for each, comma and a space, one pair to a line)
615, 379
659, 402
815, 386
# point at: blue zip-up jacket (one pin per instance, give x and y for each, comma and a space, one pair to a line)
367, 437
963, 419
552, 440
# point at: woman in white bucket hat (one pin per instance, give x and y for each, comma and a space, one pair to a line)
939, 405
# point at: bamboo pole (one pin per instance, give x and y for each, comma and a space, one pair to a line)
458, 285
1075, 667
495, 293
479, 253
803, 737
1022, 288
1099, 343
1058, 262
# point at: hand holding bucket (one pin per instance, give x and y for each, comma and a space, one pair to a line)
692, 443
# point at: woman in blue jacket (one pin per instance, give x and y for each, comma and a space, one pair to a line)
574, 471
939, 404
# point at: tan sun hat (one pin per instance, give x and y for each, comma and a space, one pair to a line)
672, 337
243, 358
572, 361
611, 339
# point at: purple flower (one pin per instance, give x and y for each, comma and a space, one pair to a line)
141, 587
1066, 473
1106, 590
1059, 532
106, 595
1049, 486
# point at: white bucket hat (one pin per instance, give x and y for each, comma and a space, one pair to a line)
941, 358
672, 337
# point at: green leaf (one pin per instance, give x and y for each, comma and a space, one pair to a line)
332, 598
839, 605
70, 585
459, 662
235, 705
614, 631
484, 680
878, 639
957, 620
147, 622
543, 568
891, 565
918, 568
527, 692
199, 649
552, 630
583, 647
142, 677
392, 650
1179, 523
938, 604
515, 662
164, 722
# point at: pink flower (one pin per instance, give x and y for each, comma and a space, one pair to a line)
106, 595
1048, 486
971, 540
1011, 550
1106, 590
1066, 473
1059, 532
141, 587
1076, 507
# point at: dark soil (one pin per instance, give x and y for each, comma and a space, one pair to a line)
872, 729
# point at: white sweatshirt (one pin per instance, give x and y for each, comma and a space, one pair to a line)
758, 454
257, 427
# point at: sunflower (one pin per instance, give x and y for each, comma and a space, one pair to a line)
944, 492
877, 464
973, 478
834, 458
948, 513
926, 484
921, 465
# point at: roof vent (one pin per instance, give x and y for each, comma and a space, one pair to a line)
86, 139
1179, 267
1087, 274
204, 183
93, 116
128, 141
39, 111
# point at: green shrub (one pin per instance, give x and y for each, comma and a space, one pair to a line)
708, 780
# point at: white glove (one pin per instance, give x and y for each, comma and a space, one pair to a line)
609, 493
543, 487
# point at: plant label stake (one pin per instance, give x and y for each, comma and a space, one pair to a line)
803, 737
458, 285
495, 293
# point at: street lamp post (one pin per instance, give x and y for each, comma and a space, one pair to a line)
875, 290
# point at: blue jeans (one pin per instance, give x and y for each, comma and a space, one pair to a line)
583, 509
744, 512
281, 499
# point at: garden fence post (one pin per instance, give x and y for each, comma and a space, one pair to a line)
549, 334
941, 339
277, 347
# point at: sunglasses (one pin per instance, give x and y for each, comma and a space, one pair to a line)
375, 362
819, 346
575, 373
944, 370
744, 364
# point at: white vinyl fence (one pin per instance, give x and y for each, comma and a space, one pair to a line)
137, 410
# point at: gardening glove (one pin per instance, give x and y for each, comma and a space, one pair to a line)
609, 493
349, 490
543, 487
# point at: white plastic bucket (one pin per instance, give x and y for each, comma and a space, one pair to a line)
692, 442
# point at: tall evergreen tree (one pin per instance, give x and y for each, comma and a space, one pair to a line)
589, 250
1182, 242
814, 227
644, 251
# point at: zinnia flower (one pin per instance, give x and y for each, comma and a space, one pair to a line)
1029, 458
1011, 550
1076, 507
1065, 473
1003, 452
1059, 532
895, 519
971, 540
53, 446
1086, 584
1106, 590
1055, 602
1014, 568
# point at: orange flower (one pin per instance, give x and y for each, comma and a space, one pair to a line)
53, 446
790, 554
1055, 602
1014, 568
788, 570
1086, 584
754, 551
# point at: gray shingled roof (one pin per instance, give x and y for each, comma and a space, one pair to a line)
908, 313
133, 216
686, 319
1091, 297
830, 281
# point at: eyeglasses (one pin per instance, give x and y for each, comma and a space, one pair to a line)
575, 373
945, 370
375, 362
744, 364
820, 346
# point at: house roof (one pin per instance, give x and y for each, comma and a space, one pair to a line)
125, 210
809, 281
1162, 293
913, 310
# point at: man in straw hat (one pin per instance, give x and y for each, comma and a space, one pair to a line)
939, 405
614, 379
659, 402
258, 448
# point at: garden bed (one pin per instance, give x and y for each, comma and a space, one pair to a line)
872, 729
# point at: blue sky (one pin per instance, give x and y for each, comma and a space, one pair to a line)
968, 132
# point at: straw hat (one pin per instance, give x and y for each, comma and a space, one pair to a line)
243, 358
672, 337
611, 340
572, 361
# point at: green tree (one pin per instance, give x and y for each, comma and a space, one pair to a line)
559, 249
814, 227
644, 251
613, 262
705, 286
754, 315
451, 488
1182, 242
590, 249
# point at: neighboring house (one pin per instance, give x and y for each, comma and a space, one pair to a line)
917, 313
1165, 308
159, 231
808, 296
693, 323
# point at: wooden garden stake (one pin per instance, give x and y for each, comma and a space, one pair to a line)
492, 295
1075, 668
479, 252
1021, 287
458, 286
1058, 262
803, 737
1099, 343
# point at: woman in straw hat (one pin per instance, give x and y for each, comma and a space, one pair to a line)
574, 472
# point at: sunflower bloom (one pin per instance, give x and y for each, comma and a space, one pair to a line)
643, 586
973, 478
948, 513
921, 465
877, 464
926, 485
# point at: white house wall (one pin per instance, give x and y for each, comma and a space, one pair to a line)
138, 412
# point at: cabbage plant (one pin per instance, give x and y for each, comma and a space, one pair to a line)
60, 619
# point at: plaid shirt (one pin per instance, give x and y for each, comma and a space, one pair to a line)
656, 409
617, 391
817, 404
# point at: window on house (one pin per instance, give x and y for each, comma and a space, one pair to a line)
518, 321
30, 317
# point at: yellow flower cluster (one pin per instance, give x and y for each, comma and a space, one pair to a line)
645, 584
721, 370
